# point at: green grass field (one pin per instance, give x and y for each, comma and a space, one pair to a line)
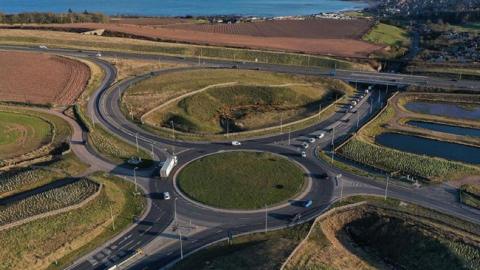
390, 35
21, 134
244, 107
202, 102
241, 180
56, 241
256, 252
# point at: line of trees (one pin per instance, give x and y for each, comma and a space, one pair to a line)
48, 17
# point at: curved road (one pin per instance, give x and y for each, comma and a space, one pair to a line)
104, 105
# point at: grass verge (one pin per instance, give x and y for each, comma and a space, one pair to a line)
105, 143
241, 180
470, 195
257, 251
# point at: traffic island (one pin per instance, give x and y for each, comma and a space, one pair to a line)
242, 180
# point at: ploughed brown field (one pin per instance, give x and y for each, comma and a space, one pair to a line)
318, 28
41, 78
319, 36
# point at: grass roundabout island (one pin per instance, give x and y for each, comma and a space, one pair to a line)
241, 180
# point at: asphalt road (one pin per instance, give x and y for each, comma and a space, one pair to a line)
104, 105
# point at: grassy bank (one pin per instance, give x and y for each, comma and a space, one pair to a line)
30, 133
201, 106
257, 251
470, 195
241, 180
56, 241
355, 239
77, 41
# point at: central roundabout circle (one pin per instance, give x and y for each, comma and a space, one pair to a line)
242, 180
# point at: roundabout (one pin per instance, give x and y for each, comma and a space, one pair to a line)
105, 106
242, 181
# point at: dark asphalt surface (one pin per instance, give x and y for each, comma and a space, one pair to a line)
105, 106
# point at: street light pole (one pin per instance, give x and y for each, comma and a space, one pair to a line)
181, 244
136, 141
135, 178
386, 188
175, 210
266, 219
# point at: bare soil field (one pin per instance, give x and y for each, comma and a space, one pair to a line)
321, 37
318, 28
41, 78
151, 21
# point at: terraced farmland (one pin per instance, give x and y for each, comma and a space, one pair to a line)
14, 181
50, 200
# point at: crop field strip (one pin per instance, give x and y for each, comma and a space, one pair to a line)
50, 80
18, 180
53, 199
363, 149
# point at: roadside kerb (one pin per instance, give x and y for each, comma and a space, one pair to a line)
305, 191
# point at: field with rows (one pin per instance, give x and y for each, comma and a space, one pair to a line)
56, 241
41, 78
72, 193
418, 238
320, 37
312, 28
18, 180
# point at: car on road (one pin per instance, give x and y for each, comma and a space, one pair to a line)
98, 55
311, 140
304, 154
305, 145
321, 135
307, 203
236, 143
166, 195
43, 47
